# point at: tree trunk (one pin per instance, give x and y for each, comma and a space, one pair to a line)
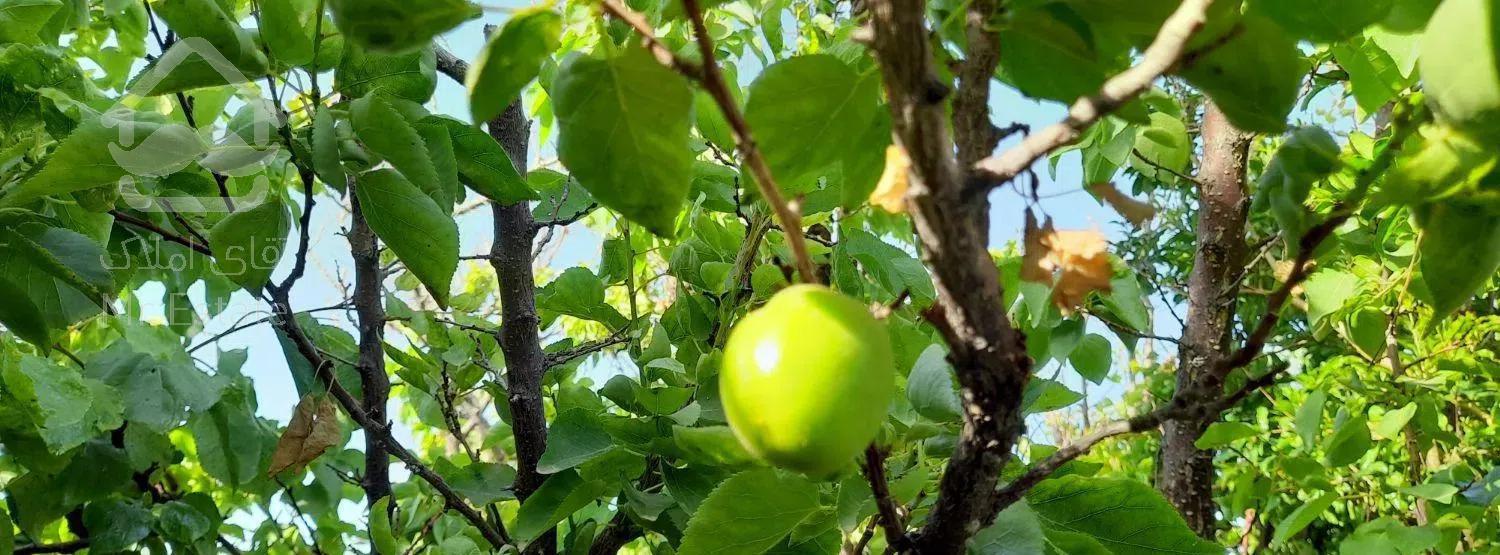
1186, 474
519, 336
374, 381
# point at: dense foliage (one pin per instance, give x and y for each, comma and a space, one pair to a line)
1292, 332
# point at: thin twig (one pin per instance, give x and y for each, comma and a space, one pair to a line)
890, 518
712, 80
163, 233
1160, 58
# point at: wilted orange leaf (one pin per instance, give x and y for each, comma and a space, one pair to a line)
1073, 262
313, 429
1134, 211
890, 193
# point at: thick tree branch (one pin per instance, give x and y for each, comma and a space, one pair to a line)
1017, 488
1205, 404
519, 337
374, 382
988, 354
973, 132
712, 80
1185, 475
1164, 53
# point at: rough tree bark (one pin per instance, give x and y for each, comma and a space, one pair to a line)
374, 381
988, 354
519, 336
1185, 473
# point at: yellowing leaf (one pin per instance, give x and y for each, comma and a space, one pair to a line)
1134, 211
1074, 262
313, 429
890, 192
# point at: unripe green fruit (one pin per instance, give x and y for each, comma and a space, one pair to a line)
1460, 64
807, 380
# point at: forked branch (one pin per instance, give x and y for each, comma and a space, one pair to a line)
1161, 57
712, 79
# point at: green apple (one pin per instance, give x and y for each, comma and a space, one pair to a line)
807, 379
1460, 64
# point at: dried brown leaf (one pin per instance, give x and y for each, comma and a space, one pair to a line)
890, 192
1134, 211
1074, 262
313, 429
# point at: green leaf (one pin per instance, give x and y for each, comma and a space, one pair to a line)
1127, 302
22, 317
114, 525
448, 189
1126, 516
325, 150
1164, 147
1016, 531
1387, 536
1038, 42
564, 199
481, 483
228, 437
1325, 20
930, 386
20, 20
381, 536
247, 244
624, 128
397, 26
97, 154
483, 165
69, 409
1461, 69
692, 484
423, 237
711, 445
1392, 422
1043, 395
412, 76
387, 133
50, 267
158, 394
1442, 493
893, 269
1327, 291
1092, 357
575, 437
207, 20
1440, 162
749, 513
1220, 434
182, 522
1374, 76
579, 293
804, 111
510, 60
1348, 443
1309, 419
561, 495
1254, 77
286, 28
1459, 251
1301, 517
